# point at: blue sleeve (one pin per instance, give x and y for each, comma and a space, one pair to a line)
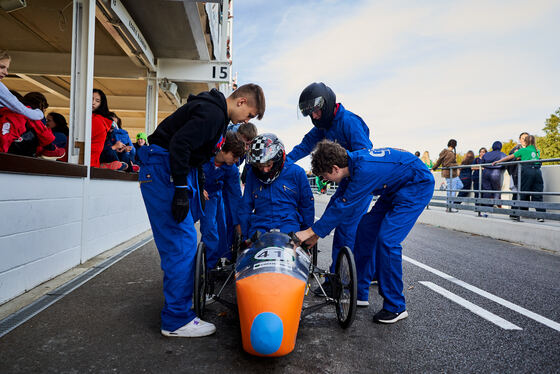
233, 189
11, 102
351, 201
127, 138
246, 205
306, 203
358, 134
306, 146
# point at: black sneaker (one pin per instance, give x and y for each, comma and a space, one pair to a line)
515, 218
327, 287
384, 316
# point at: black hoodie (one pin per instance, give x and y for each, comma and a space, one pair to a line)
192, 133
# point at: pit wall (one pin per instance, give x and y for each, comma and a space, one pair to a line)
49, 224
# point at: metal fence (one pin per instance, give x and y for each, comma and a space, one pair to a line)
482, 201
518, 204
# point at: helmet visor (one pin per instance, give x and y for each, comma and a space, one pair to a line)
309, 106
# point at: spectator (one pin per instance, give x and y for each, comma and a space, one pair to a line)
29, 137
476, 171
58, 125
512, 170
465, 174
127, 152
8, 99
101, 123
426, 159
141, 141
417, 153
531, 176
492, 175
448, 158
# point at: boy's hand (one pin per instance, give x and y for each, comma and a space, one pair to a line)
308, 236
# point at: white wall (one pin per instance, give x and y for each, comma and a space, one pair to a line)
41, 225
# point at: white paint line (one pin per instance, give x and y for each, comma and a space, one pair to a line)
497, 320
534, 316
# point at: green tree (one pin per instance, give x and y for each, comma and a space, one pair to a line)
549, 144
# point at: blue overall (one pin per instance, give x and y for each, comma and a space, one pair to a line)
176, 242
122, 135
286, 204
220, 182
405, 186
351, 132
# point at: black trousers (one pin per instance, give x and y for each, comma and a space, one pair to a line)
531, 180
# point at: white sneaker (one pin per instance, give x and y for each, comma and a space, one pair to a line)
362, 303
194, 329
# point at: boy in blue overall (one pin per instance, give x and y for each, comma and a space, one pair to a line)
246, 132
221, 180
277, 195
180, 145
404, 185
332, 121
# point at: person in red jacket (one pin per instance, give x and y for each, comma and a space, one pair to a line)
28, 137
100, 125
13, 126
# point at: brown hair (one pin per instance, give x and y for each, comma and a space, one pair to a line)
469, 158
118, 121
531, 140
254, 95
234, 144
327, 154
248, 130
35, 100
4, 55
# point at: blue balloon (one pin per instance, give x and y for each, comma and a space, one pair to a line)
267, 332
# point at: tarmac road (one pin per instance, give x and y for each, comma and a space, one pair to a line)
111, 324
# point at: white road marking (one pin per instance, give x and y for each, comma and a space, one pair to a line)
534, 316
472, 307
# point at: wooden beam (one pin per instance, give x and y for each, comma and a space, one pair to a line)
59, 64
47, 85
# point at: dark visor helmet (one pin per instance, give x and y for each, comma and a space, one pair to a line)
265, 148
318, 96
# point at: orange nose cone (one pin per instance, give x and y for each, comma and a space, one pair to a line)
269, 311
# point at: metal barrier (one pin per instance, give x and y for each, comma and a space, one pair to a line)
483, 204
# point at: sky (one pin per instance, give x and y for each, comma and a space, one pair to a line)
417, 72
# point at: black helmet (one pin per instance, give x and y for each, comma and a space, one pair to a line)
318, 96
265, 148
